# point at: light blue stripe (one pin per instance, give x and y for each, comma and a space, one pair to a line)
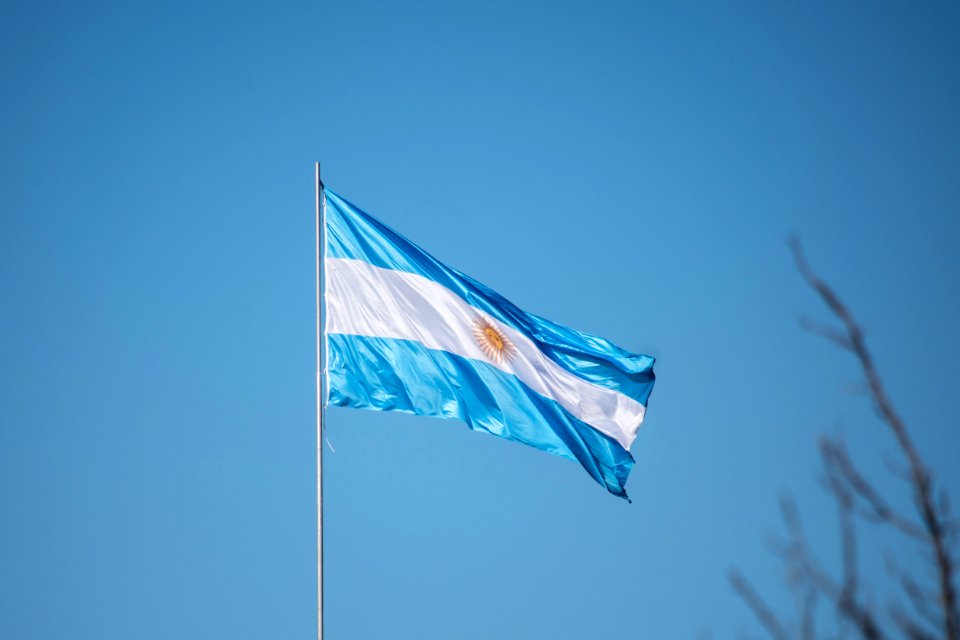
351, 233
402, 375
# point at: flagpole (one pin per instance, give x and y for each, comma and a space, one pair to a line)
320, 218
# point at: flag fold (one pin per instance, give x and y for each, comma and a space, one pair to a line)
405, 332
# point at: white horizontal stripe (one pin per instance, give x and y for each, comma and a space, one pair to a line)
370, 301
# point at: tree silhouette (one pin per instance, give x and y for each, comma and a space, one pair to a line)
924, 609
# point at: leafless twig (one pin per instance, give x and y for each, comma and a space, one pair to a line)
922, 485
855, 495
836, 459
760, 609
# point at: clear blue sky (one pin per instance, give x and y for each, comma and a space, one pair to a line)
626, 169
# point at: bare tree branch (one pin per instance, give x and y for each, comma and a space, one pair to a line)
858, 500
837, 459
826, 331
760, 609
911, 629
808, 615
922, 486
918, 598
842, 594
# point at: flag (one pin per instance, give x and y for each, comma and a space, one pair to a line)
405, 332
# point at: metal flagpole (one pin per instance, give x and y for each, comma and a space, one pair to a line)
321, 233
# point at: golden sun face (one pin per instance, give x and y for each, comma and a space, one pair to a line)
492, 341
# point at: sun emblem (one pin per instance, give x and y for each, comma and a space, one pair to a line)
492, 340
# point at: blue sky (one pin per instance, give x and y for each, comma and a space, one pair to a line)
627, 169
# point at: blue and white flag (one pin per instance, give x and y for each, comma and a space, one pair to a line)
405, 332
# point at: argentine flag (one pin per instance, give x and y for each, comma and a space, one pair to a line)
405, 332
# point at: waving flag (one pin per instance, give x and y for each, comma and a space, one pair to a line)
405, 332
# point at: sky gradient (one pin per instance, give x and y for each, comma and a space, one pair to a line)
625, 169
